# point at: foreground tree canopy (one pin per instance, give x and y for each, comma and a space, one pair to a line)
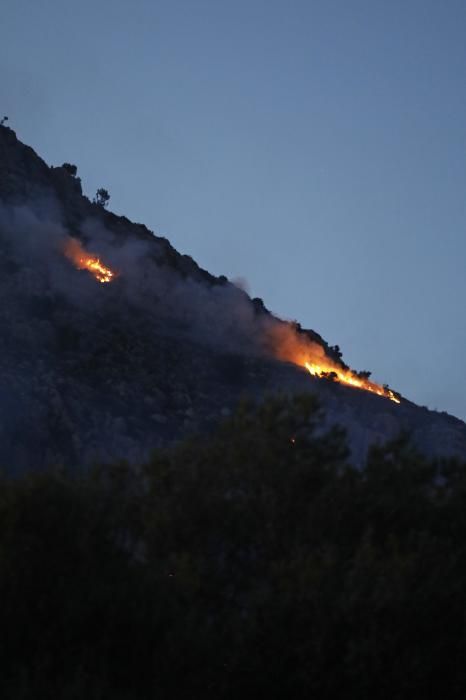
253, 561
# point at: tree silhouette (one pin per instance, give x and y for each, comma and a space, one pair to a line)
102, 197
254, 561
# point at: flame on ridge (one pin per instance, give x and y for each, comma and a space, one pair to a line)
290, 346
83, 260
352, 379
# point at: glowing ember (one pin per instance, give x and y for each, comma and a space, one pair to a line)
85, 261
290, 346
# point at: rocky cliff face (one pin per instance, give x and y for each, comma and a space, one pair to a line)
92, 371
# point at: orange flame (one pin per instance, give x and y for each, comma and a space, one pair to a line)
289, 346
85, 261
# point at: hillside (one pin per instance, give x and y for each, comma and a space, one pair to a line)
102, 371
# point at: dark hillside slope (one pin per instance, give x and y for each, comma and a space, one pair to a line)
92, 371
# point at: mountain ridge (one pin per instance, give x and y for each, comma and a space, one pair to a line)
108, 371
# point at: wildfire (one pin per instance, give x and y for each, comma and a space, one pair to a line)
86, 261
288, 345
352, 379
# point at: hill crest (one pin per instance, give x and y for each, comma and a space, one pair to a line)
107, 371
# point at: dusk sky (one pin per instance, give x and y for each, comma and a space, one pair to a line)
315, 149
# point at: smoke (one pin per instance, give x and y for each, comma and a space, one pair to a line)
288, 345
152, 282
166, 288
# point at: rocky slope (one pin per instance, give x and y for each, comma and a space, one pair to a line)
92, 371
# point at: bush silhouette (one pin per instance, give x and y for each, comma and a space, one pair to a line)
70, 169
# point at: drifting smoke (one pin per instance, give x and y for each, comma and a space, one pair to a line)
41, 249
172, 300
285, 342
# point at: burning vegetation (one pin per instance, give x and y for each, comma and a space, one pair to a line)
290, 345
83, 260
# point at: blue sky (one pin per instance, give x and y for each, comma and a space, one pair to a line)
315, 148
